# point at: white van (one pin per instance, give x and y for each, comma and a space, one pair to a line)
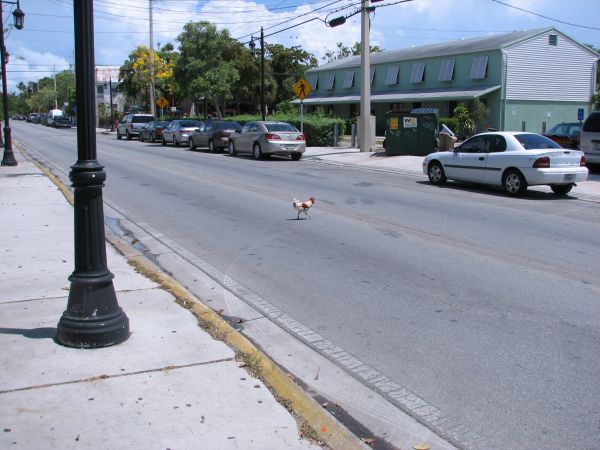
589, 139
51, 115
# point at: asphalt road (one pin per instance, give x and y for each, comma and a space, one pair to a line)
485, 307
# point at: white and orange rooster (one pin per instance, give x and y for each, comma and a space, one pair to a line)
303, 206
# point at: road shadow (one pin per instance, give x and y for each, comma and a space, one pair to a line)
498, 192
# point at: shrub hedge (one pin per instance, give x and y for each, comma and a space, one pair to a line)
318, 129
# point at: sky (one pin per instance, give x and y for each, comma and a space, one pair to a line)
46, 43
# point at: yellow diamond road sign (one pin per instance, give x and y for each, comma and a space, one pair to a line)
161, 102
301, 88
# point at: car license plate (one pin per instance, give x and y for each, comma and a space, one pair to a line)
569, 177
289, 147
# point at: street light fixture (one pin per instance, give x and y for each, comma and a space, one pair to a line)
93, 317
19, 19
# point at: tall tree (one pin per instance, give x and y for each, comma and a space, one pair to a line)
136, 71
206, 68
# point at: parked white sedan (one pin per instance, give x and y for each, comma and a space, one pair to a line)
513, 160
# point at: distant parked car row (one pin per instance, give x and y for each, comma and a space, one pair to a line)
259, 138
53, 118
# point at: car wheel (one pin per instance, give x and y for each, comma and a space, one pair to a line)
163, 141
119, 135
211, 146
191, 144
561, 189
436, 173
232, 150
514, 183
258, 154
127, 135
296, 156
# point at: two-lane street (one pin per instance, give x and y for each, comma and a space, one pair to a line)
482, 306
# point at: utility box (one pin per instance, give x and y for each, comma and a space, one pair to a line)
410, 133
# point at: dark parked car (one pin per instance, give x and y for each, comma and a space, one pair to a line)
213, 134
565, 134
152, 131
61, 122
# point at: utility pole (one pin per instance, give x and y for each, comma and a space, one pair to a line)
152, 105
262, 74
55, 92
364, 128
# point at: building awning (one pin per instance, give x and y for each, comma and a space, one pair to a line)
411, 95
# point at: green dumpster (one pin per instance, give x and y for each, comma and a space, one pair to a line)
410, 133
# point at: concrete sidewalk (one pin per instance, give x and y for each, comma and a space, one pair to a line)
170, 385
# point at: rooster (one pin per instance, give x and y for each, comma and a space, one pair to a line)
303, 206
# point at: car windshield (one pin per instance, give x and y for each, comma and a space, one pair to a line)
161, 124
280, 127
190, 124
142, 119
555, 129
535, 141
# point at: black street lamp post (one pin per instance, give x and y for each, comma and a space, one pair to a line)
93, 317
8, 158
262, 70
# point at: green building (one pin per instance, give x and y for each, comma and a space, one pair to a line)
528, 80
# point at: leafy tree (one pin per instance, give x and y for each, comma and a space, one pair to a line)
343, 51
136, 72
466, 125
206, 68
288, 64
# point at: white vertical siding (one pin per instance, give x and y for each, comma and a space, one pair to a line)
539, 71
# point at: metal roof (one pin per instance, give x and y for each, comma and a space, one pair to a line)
473, 45
408, 95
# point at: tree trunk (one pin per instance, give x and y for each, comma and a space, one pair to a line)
218, 110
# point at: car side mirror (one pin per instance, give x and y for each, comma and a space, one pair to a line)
238, 131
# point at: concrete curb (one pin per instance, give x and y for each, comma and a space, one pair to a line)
323, 426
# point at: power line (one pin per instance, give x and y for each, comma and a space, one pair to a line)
545, 17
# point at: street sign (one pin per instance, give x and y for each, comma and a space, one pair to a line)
162, 102
301, 88
580, 114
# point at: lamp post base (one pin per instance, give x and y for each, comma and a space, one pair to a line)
92, 329
9, 157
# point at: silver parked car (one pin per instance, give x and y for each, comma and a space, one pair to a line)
178, 131
131, 124
589, 142
264, 138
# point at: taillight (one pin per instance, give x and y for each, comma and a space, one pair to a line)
582, 162
542, 163
300, 137
272, 137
